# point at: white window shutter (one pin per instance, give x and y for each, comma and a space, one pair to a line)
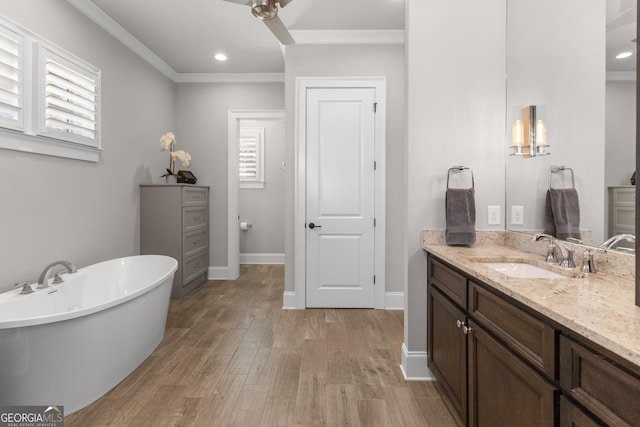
11, 79
69, 99
251, 157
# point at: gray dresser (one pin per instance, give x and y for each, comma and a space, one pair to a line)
622, 210
174, 221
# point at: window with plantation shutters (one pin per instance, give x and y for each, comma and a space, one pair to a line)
49, 98
11, 79
69, 99
251, 157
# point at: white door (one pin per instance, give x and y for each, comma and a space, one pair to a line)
340, 205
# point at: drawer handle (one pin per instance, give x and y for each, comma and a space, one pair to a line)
197, 196
465, 329
195, 218
195, 242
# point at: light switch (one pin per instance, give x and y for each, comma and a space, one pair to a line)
493, 215
517, 215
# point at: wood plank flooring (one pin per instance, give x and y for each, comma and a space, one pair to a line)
232, 357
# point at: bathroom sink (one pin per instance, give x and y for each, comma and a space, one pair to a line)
523, 270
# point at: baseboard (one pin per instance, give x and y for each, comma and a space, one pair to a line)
414, 365
289, 300
394, 301
218, 273
261, 258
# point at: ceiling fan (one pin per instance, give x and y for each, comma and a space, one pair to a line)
267, 10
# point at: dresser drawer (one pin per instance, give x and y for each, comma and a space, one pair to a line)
194, 242
449, 282
194, 196
605, 389
528, 336
194, 266
194, 217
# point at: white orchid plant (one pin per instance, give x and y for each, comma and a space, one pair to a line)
168, 143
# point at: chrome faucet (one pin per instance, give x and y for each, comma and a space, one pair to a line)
612, 242
26, 288
567, 261
43, 281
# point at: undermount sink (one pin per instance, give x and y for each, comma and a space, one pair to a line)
523, 270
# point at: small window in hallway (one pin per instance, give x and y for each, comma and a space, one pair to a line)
251, 157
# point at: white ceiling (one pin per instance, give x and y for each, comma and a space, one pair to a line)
186, 34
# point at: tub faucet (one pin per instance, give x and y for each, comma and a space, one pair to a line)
567, 261
43, 281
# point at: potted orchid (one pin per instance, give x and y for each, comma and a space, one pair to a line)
168, 143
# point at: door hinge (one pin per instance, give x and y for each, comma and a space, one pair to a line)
374, 222
375, 107
374, 279
375, 165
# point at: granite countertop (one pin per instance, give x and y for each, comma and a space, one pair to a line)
598, 306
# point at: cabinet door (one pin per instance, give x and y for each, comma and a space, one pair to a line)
503, 391
447, 348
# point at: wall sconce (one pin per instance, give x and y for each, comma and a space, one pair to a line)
529, 134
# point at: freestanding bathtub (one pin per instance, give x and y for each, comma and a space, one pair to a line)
71, 343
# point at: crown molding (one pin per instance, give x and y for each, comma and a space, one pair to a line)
229, 78
107, 23
348, 36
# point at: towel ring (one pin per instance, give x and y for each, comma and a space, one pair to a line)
460, 169
559, 169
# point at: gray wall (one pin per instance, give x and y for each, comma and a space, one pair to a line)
350, 60
620, 132
55, 208
202, 111
456, 115
264, 207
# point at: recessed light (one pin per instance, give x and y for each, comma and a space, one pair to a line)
220, 57
624, 55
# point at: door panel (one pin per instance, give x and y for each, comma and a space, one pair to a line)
340, 197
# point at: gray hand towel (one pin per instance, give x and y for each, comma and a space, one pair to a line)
549, 225
565, 209
460, 216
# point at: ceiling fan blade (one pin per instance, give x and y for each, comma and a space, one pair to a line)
625, 18
283, 3
279, 30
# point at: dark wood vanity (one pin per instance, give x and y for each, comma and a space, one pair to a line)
502, 363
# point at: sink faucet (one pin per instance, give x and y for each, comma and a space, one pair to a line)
43, 281
612, 243
567, 261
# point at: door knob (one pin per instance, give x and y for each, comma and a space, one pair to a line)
312, 226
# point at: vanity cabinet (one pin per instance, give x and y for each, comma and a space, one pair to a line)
174, 221
487, 353
501, 363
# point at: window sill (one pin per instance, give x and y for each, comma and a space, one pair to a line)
18, 141
252, 184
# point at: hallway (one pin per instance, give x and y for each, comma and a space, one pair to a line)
232, 357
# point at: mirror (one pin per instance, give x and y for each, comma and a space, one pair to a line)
564, 61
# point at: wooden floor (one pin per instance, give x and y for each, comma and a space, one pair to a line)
232, 357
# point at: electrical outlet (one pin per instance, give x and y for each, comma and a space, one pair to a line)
493, 217
517, 215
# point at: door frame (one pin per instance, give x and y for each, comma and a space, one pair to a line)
379, 84
233, 228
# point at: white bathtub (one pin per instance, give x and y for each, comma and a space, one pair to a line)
71, 343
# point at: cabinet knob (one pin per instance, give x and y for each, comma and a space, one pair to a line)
459, 323
467, 330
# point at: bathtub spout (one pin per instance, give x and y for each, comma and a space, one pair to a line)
43, 281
